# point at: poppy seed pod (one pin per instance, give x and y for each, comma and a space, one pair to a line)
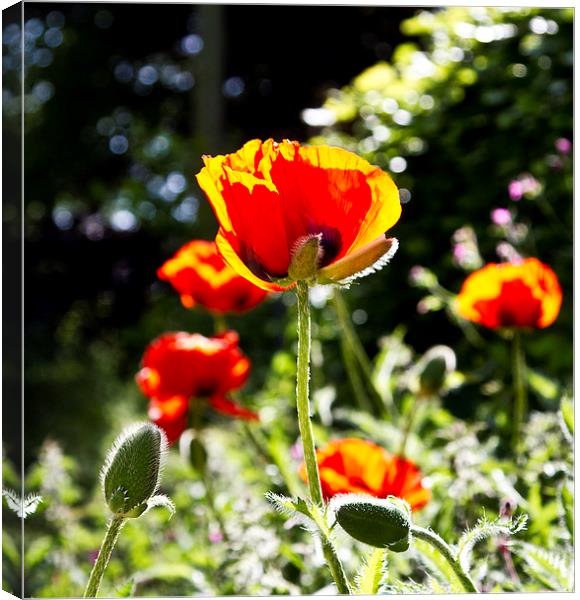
132, 470
434, 366
377, 522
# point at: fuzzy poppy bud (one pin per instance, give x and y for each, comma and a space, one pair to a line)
383, 523
197, 455
305, 258
434, 367
131, 473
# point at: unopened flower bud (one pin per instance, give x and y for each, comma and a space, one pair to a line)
305, 258
507, 507
132, 469
434, 366
422, 277
198, 455
383, 523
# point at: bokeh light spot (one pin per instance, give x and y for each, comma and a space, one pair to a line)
118, 144
192, 44
234, 87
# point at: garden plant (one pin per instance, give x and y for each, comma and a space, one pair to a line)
300, 440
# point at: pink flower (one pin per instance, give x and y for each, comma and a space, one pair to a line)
296, 451
460, 251
515, 190
501, 216
563, 145
554, 162
524, 185
215, 537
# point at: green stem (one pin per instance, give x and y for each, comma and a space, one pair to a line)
200, 464
219, 323
351, 338
306, 433
354, 378
275, 451
520, 391
444, 550
408, 427
212, 506
105, 552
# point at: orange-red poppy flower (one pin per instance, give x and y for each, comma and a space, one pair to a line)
202, 277
178, 367
289, 212
523, 294
353, 466
171, 415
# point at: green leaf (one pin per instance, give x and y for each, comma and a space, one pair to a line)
567, 418
542, 385
126, 590
438, 566
38, 550
372, 573
567, 498
290, 506
23, 507
551, 569
408, 587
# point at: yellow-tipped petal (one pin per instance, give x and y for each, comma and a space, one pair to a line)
232, 258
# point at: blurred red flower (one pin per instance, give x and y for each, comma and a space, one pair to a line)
177, 367
522, 294
202, 277
270, 198
171, 415
353, 466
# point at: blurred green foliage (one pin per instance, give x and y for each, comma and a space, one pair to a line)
475, 100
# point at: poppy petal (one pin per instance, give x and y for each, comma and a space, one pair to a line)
232, 409
361, 262
233, 259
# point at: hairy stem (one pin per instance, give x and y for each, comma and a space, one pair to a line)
104, 556
306, 433
443, 548
520, 391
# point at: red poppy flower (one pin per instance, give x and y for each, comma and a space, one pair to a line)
271, 199
171, 415
202, 277
177, 367
524, 294
353, 466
